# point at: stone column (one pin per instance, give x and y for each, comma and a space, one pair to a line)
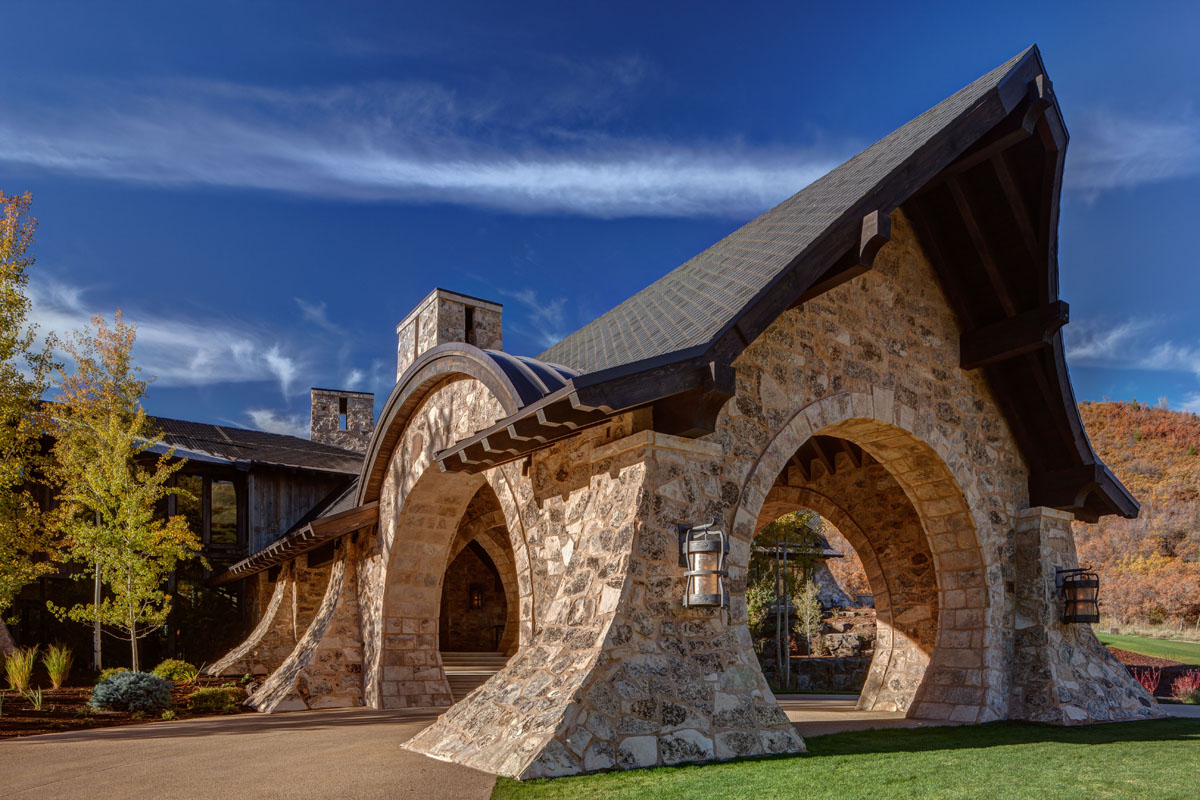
1061, 674
619, 674
6, 641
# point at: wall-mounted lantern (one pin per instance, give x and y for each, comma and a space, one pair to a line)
703, 550
476, 595
1080, 593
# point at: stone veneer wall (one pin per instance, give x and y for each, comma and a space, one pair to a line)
872, 511
293, 602
1061, 673
324, 670
618, 674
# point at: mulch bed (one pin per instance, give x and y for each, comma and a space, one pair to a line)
67, 709
1170, 669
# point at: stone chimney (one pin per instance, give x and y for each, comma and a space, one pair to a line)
342, 419
447, 317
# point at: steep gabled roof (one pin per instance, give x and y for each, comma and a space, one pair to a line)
695, 303
979, 175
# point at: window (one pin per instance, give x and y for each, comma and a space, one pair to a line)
223, 519
342, 414
470, 326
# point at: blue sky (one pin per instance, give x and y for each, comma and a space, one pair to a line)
267, 189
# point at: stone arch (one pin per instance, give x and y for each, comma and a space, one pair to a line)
899, 572
420, 510
964, 681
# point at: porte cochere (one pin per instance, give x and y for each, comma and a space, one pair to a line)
904, 308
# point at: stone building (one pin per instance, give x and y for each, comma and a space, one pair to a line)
906, 305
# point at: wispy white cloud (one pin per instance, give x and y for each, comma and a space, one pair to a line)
1191, 403
178, 351
272, 421
354, 380
405, 142
1114, 151
547, 317
1131, 344
316, 314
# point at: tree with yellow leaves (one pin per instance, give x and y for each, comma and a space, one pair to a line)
25, 547
110, 484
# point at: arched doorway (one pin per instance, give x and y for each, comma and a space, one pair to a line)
957, 641
478, 615
842, 484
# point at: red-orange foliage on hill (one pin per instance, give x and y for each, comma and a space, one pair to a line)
1149, 567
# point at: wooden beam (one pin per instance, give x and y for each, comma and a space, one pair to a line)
822, 456
1012, 337
876, 232
981, 246
798, 462
1019, 208
852, 452
986, 152
1041, 97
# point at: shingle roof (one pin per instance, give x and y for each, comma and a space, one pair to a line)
230, 444
696, 302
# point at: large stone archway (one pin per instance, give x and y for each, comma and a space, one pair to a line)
964, 680
422, 509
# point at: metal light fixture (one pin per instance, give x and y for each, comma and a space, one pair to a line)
1080, 593
476, 595
703, 550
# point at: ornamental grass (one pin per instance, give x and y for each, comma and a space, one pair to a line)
58, 661
18, 667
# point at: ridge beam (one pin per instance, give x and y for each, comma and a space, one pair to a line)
1012, 337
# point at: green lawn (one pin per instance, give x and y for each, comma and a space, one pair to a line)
1159, 759
1187, 652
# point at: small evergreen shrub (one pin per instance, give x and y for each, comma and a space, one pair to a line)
175, 670
18, 667
105, 674
132, 691
58, 661
218, 699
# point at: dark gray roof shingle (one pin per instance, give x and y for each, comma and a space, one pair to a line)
239, 445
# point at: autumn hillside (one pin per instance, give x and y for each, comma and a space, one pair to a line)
1151, 565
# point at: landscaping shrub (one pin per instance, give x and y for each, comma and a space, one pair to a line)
1147, 677
18, 667
1186, 687
223, 699
175, 670
105, 674
58, 661
132, 691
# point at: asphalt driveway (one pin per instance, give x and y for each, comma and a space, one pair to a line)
309, 754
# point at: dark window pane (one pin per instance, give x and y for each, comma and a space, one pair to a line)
224, 513
187, 502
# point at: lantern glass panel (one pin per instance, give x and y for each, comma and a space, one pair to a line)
706, 584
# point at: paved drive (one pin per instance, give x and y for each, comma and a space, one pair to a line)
309, 754
306, 754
